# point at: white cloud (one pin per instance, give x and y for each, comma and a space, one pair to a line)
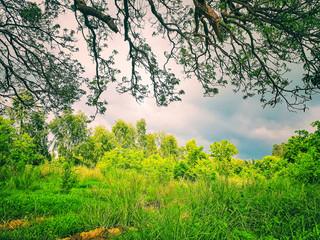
272, 134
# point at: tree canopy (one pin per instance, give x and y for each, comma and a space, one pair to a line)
249, 44
69, 130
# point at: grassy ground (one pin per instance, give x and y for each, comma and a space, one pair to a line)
143, 207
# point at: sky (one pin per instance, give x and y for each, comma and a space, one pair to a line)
252, 129
244, 123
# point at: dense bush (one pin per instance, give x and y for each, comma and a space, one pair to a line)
271, 166
307, 166
122, 158
153, 165
303, 153
69, 177
17, 150
183, 170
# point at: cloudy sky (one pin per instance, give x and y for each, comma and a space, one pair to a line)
226, 116
245, 123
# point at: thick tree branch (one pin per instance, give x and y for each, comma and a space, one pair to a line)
90, 11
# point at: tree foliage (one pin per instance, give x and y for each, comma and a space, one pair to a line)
303, 151
223, 152
17, 150
169, 146
194, 153
69, 130
35, 55
30, 119
6, 139
250, 44
303, 142
151, 147
125, 134
141, 131
195, 163
298, 159
93, 148
279, 150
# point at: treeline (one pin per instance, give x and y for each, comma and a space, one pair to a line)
24, 141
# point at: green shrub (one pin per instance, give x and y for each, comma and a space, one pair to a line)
205, 169
122, 158
159, 167
182, 170
17, 150
69, 177
306, 167
271, 166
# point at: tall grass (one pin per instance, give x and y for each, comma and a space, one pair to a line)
149, 207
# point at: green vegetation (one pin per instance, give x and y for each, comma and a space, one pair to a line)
147, 187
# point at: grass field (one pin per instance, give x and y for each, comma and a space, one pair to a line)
126, 204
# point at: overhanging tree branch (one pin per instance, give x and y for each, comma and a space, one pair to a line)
249, 44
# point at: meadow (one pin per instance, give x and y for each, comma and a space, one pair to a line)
129, 204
